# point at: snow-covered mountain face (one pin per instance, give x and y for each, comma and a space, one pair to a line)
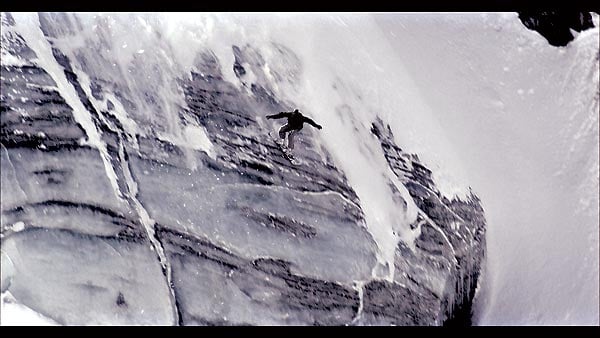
136, 160
522, 116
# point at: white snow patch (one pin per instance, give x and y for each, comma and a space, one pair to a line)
358, 286
196, 138
15, 314
18, 226
191, 138
7, 59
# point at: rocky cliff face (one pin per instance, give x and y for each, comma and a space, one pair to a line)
452, 240
557, 26
107, 220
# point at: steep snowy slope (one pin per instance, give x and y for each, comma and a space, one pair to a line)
136, 160
522, 116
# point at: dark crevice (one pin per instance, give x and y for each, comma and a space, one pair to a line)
67, 204
555, 26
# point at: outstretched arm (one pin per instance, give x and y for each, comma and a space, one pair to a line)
312, 123
279, 116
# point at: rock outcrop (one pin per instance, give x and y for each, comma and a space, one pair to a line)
556, 26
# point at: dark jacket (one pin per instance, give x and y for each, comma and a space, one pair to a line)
295, 119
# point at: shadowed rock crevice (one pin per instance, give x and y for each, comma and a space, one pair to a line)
556, 26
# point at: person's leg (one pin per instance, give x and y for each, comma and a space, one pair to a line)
285, 128
291, 138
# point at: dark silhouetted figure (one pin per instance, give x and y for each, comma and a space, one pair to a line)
294, 124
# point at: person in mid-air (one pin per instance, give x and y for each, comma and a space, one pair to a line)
294, 124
